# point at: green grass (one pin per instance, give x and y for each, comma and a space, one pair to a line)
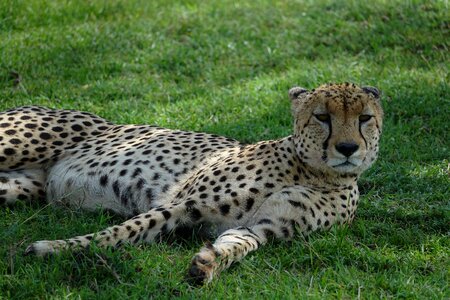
225, 67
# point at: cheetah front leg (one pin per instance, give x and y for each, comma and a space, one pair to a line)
291, 210
142, 228
231, 246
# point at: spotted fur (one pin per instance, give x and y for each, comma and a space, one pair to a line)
164, 179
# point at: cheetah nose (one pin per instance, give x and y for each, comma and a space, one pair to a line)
347, 148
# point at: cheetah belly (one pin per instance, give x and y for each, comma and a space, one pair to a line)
70, 182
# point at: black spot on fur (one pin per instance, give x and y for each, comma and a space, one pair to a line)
151, 224
264, 221
166, 214
104, 180
9, 151
45, 136
224, 209
116, 188
77, 127
249, 204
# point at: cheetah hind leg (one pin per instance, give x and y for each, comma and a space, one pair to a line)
143, 228
26, 185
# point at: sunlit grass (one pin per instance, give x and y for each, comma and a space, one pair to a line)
225, 67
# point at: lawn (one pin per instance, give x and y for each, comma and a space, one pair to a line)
225, 67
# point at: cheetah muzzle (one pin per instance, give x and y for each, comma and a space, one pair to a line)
164, 179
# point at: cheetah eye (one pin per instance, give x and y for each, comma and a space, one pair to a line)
364, 118
323, 117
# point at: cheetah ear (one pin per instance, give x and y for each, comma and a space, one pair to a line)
295, 92
370, 90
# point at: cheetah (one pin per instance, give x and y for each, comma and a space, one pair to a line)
164, 179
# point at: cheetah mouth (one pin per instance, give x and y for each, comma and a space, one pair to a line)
345, 165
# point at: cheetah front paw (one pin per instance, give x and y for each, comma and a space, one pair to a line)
44, 248
203, 266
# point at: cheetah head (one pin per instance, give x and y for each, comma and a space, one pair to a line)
337, 127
